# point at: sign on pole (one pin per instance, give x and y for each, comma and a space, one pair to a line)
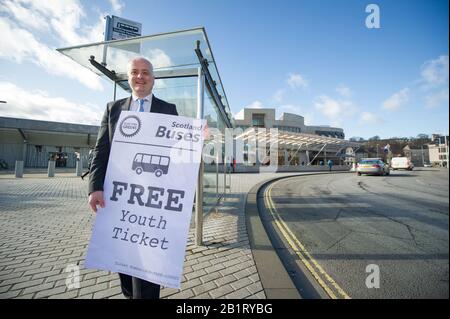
119, 28
149, 193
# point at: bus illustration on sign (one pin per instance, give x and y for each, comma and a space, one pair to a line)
158, 164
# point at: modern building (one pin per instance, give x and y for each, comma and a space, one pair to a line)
298, 144
288, 122
419, 157
438, 150
36, 142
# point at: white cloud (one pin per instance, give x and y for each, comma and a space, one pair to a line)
435, 81
20, 45
279, 95
328, 107
255, 105
435, 72
369, 118
437, 99
239, 115
297, 81
159, 58
309, 118
38, 105
396, 100
117, 6
23, 15
64, 18
344, 91
335, 110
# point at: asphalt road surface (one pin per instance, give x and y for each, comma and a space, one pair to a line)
366, 236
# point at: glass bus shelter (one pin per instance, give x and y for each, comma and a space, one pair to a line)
187, 75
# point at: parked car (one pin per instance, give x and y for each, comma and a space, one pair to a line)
401, 163
427, 165
372, 166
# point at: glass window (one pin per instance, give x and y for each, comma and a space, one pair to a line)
369, 162
155, 159
164, 161
180, 91
138, 158
146, 159
258, 120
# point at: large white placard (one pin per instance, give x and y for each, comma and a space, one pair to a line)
149, 194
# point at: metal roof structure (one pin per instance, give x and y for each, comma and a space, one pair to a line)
173, 54
297, 140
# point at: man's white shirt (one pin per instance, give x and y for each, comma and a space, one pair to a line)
147, 103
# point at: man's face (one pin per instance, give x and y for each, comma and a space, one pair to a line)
140, 78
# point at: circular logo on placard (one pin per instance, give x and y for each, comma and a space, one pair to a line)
130, 126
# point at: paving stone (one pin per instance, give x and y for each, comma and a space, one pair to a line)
238, 284
255, 287
27, 283
71, 294
107, 293
10, 276
38, 288
238, 294
204, 288
9, 294
57, 238
191, 283
184, 294
50, 292
221, 291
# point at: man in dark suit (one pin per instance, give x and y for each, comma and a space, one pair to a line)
141, 80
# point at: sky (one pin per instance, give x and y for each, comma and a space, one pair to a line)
315, 58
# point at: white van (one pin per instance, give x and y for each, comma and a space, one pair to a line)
401, 163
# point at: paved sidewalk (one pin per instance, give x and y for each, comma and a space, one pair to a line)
46, 225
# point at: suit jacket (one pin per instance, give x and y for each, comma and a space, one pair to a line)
103, 146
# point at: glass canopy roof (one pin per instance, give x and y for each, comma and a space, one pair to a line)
166, 51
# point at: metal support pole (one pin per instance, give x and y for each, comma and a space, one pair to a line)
446, 150
108, 29
19, 169
51, 169
423, 161
316, 154
225, 170
217, 175
199, 192
79, 167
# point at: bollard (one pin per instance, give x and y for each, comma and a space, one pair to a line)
51, 169
19, 169
79, 168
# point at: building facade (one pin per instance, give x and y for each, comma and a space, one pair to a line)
288, 122
419, 157
298, 144
37, 142
438, 151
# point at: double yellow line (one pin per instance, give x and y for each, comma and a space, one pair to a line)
325, 281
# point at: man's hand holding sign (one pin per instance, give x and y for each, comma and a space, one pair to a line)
142, 186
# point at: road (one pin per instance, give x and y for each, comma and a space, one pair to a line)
365, 236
